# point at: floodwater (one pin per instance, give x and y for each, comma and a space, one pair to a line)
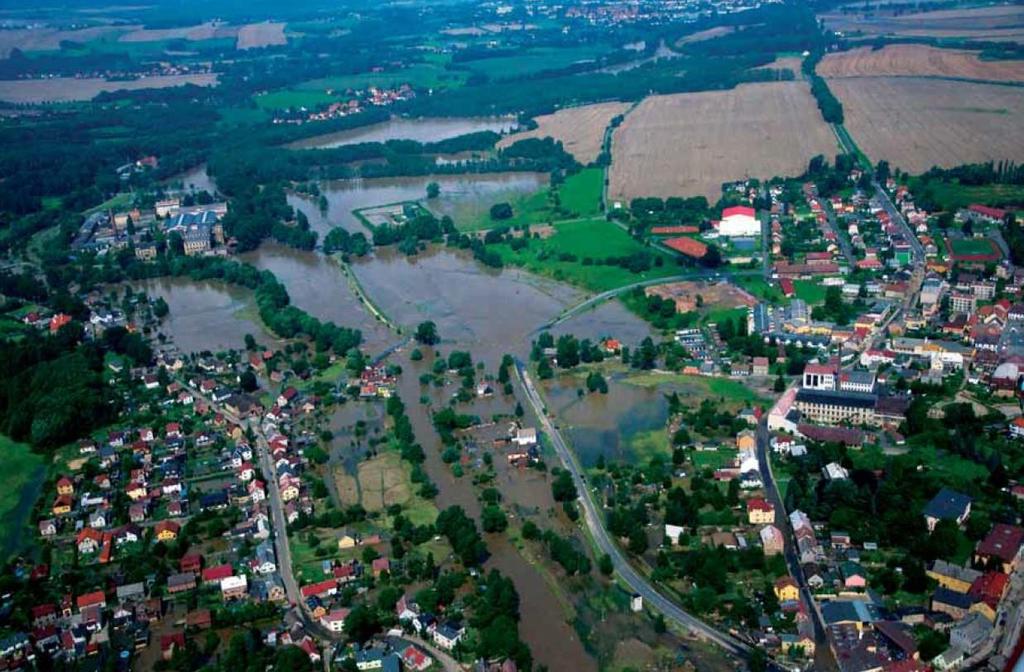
317, 285
604, 424
422, 130
463, 197
662, 52
486, 311
208, 315
610, 319
195, 179
551, 639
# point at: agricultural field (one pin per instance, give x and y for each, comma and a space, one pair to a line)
69, 89
579, 129
994, 23
701, 35
532, 61
49, 39
916, 123
576, 241
265, 34
900, 60
204, 31
689, 144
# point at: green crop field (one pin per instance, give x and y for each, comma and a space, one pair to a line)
581, 193
534, 61
589, 238
418, 75
17, 494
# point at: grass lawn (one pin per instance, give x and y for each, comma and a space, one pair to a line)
718, 315
714, 459
699, 387
285, 98
652, 443
417, 75
589, 238
811, 291
19, 490
757, 286
953, 195
579, 196
967, 246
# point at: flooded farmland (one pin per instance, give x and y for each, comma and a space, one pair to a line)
604, 424
421, 130
317, 285
487, 311
463, 197
208, 315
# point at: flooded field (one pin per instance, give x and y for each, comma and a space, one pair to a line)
421, 130
604, 424
462, 197
195, 179
610, 319
317, 285
206, 315
488, 311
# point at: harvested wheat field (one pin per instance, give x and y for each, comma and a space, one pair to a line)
48, 39
995, 23
68, 89
688, 144
266, 34
580, 129
916, 123
203, 31
901, 60
709, 34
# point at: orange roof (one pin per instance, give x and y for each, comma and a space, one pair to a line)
688, 246
673, 230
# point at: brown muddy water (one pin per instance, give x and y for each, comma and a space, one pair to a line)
421, 130
317, 285
463, 197
487, 311
195, 179
208, 315
543, 625
605, 424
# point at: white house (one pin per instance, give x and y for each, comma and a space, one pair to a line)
335, 620
673, 532
739, 221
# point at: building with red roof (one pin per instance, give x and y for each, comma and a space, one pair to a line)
217, 573
760, 511
328, 587
1002, 545
94, 599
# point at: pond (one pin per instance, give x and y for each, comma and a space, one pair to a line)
317, 285
208, 315
421, 130
463, 197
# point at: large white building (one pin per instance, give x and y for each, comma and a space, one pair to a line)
739, 221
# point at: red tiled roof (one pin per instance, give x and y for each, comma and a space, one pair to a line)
688, 246
320, 588
91, 599
758, 504
217, 573
738, 210
1003, 541
673, 230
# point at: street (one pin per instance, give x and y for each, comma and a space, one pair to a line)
605, 544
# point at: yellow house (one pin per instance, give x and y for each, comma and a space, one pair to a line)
953, 577
760, 512
346, 541
985, 609
786, 589
65, 486
746, 440
166, 530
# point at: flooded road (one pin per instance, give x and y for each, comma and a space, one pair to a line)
421, 130
317, 285
208, 315
464, 198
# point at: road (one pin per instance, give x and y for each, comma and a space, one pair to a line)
597, 299
915, 245
823, 659
844, 240
595, 524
